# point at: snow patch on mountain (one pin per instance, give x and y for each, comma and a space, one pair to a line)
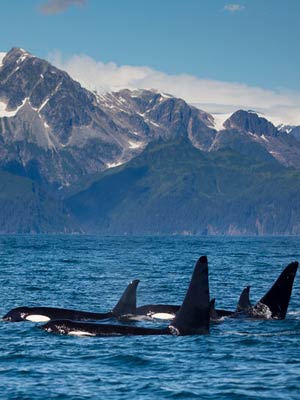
113, 165
5, 113
2, 55
285, 128
134, 145
219, 120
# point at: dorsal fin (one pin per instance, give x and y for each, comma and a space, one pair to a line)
244, 300
278, 297
127, 303
213, 315
193, 316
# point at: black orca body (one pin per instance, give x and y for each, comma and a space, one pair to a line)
154, 312
126, 305
274, 304
67, 327
164, 312
191, 319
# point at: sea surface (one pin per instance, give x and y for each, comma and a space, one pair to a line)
237, 360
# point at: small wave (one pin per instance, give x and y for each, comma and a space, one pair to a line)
129, 359
183, 394
69, 261
250, 334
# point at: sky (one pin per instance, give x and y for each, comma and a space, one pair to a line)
221, 55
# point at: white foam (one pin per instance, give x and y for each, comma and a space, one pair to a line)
37, 318
269, 334
80, 333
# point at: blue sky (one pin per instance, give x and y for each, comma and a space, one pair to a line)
252, 43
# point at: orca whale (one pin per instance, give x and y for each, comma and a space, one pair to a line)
274, 304
126, 305
191, 319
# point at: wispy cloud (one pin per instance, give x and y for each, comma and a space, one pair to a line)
233, 7
210, 95
59, 6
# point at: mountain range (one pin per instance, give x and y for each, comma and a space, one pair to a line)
136, 161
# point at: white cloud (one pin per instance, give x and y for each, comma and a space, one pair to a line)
210, 95
59, 6
233, 7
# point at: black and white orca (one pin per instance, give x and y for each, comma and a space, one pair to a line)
126, 305
191, 319
274, 304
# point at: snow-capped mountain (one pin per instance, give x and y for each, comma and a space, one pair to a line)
175, 158
51, 125
54, 130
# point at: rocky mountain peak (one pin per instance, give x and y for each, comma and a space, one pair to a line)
295, 132
249, 121
49, 121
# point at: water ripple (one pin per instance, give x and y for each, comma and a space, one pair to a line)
238, 360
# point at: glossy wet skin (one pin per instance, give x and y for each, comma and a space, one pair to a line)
17, 314
42, 314
66, 327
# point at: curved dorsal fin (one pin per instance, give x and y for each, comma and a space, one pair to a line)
278, 297
193, 316
127, 303
244, 300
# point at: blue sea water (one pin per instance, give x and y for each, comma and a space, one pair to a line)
237, 360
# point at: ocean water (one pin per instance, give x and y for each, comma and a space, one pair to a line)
237, 360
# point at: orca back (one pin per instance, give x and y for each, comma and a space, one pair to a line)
193, 316
278, 297
127, 303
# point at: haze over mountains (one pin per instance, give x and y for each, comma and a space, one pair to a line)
136, 162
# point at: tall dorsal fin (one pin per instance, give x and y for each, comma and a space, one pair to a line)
278, 297
193, 316
127, 303
244, 300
